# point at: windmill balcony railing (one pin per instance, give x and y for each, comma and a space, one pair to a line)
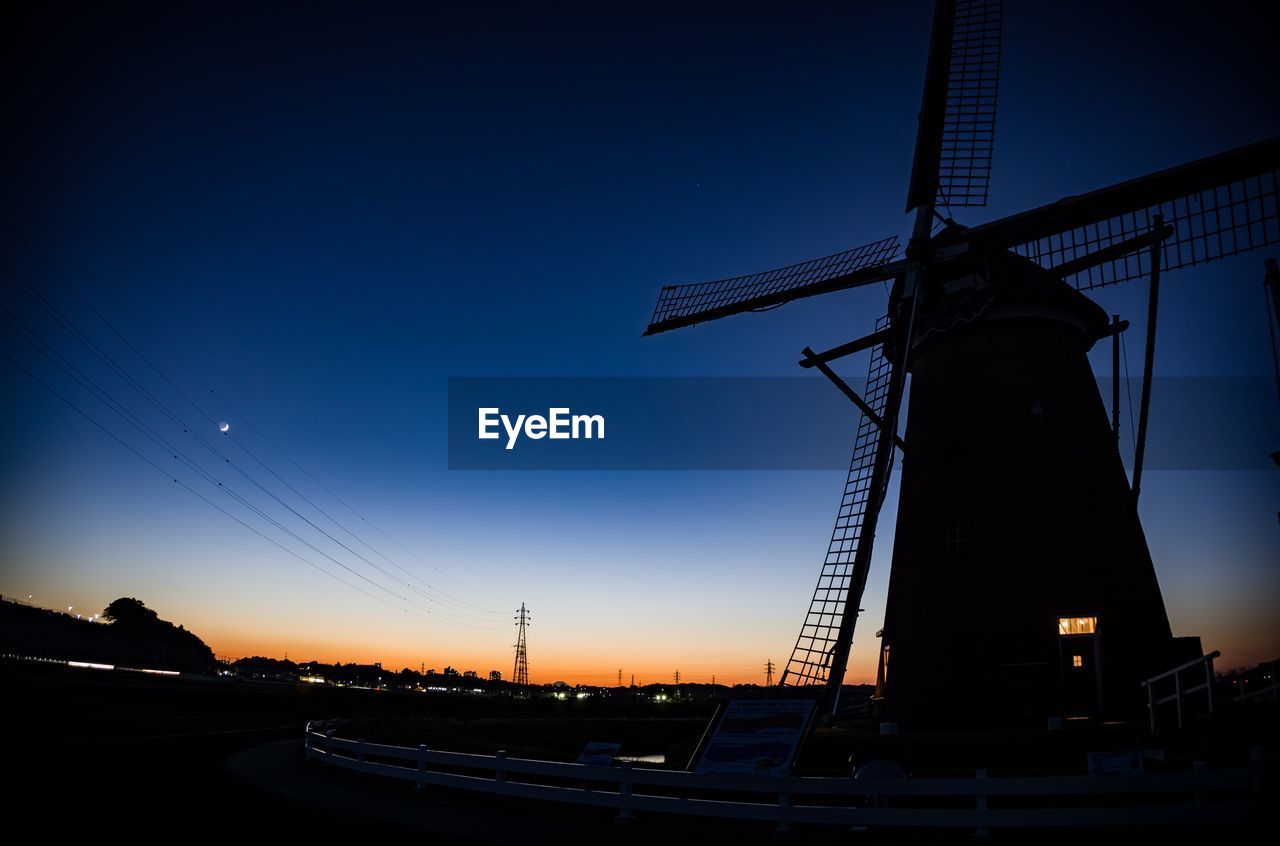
1181, 688
979, 802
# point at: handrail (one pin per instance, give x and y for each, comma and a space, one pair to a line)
829, 800
1179, 692
1200, 660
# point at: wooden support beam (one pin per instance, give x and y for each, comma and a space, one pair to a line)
812, 359
1144, 409
876, 419
1115, 251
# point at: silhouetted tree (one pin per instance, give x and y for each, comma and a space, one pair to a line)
151, 639
128, 611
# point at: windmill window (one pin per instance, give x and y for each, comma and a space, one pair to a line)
957, 536
1077, 625
1077, 661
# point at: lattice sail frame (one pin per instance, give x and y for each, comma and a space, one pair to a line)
969, 120
810, 661
687, 301
1239, 216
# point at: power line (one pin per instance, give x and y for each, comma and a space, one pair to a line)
84, 339
111, 363
184, 485
48, 351
102, 285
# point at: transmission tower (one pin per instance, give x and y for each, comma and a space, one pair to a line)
619, 678
677, 677
521, 673
768, 673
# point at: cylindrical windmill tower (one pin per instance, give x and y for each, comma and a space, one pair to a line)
1021, 581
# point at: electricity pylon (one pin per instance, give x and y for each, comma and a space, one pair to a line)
521, 673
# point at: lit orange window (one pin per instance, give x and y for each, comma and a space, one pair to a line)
1077, 625
1077, 660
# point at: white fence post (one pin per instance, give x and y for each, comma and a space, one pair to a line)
1208, 681
1177, 692
624, 793
784, 809
421, 783
980, 791
1257, 778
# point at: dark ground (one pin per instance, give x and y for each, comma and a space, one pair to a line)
92, 753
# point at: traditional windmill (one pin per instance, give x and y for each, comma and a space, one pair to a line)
1021, 579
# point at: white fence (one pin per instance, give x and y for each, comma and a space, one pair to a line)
1201, 795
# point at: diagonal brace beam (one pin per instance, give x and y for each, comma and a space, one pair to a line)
811, 359
1115, 251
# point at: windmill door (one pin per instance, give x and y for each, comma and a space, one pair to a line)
1078, 657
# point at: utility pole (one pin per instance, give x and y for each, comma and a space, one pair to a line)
1271, 284
713, 679
768, 673
1115, 379
619, 678
521, 674
633, 679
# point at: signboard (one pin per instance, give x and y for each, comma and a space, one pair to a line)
1115, 763
599, 754
758, 736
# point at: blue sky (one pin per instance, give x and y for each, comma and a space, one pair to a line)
326, 214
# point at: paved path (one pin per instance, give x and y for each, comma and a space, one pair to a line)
465, 817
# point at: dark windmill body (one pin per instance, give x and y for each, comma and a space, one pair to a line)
1021, 580
1021, 583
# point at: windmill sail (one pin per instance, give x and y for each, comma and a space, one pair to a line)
810, 662
685, 305
956, 135
1217, 207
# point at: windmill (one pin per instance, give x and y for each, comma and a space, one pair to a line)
1020, 574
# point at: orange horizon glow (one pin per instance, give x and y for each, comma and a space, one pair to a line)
546, 668
860, 672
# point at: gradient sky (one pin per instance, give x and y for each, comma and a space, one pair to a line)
327, 213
